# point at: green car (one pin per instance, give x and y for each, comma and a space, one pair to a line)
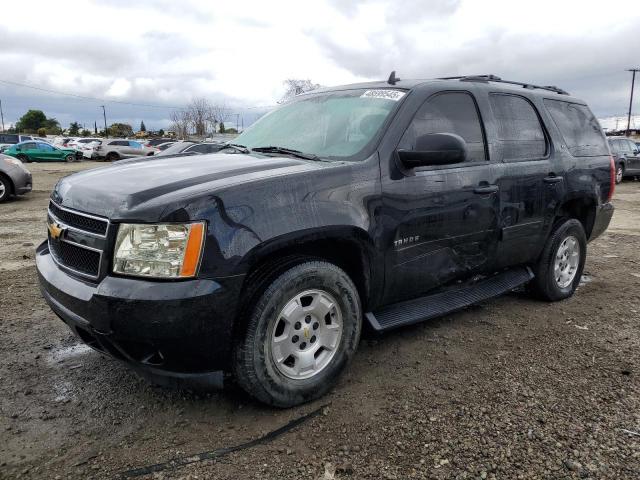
41, 152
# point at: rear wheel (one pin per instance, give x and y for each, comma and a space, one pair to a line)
5, 188
301, 333
619, 173
562, 261
112, 157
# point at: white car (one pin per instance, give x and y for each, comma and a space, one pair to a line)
113, 149
90, 149
79, 142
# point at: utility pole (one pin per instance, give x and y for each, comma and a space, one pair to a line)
633, 81
104, 114
2, 116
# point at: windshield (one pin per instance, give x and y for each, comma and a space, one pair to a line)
334, 124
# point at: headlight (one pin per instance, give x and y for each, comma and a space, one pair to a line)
159, 251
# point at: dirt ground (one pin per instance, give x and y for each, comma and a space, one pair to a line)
512, 388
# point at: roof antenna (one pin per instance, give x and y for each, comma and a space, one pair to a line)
392, 78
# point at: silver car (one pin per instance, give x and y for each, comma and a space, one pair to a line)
15, 179
113, 149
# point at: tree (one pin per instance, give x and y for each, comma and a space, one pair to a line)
161, 133
42, 132
199, 117
143, 128
231, 130
85, 133
74, 129
52, 126
296, 86
31, 121
222, 129
120, 130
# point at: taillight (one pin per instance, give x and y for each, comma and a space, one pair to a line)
613, 179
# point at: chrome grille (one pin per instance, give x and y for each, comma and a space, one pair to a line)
78, 240
88, 223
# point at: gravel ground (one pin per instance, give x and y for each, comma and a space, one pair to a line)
512, 388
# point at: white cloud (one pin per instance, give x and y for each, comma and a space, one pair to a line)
166, 52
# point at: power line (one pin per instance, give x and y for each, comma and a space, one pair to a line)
633, 81
104, 100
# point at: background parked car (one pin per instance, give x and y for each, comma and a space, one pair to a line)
90, 150
154, 142
626, 154
192, 148
42, 152
8, 139
80, 142
163, 146
113, 149
15, 179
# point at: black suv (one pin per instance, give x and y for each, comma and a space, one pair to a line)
383, 203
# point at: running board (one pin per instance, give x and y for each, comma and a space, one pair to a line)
438, 304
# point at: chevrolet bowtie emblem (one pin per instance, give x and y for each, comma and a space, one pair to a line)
55, 230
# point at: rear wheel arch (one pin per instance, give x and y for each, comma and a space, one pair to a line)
582, 209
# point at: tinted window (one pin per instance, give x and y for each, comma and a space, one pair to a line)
8, 138
24, 138
120, 143
579, 128
45, 147
519, 127
135, 144
623, 146
28, 146
452, 112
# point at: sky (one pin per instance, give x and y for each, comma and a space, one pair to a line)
160, 54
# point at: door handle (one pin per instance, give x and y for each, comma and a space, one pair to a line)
484, 189
552, 179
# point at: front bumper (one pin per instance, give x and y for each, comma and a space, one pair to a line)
177, 333
602, 219
21, 178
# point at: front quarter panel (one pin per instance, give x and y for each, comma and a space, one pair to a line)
246, 218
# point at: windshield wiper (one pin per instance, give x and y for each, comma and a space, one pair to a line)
286, 151
240, 148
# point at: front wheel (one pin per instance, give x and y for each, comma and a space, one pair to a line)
619, 173
302, 332
559, 269
5, 188
70, 158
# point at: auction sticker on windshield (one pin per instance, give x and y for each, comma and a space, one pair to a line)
394, 95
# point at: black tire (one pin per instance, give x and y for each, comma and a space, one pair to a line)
253, 365
70, 158
112, 157
6, 188
545, 285
23, 158
619, 173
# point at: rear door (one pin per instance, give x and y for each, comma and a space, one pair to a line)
441, 219
30, 149
530, 179
633, 157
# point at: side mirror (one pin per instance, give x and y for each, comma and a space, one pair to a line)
435, 149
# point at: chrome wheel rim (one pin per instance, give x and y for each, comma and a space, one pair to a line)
306, 334
566, 262
3, 189
619, 174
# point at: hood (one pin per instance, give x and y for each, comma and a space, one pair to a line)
126, 189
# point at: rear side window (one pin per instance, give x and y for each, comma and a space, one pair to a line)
120, 143
449, 112
579, 128
519, 128
28, 146
135, 144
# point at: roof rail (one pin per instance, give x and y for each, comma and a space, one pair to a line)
494, 78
